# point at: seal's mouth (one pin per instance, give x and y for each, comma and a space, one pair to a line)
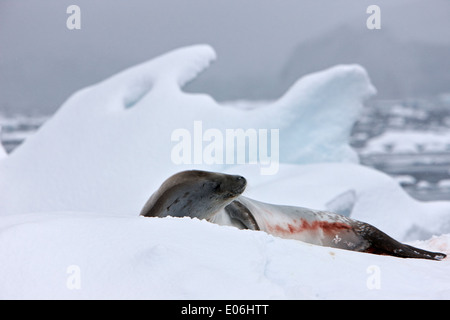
238, 186
242, 184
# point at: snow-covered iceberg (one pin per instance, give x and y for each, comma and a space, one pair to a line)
71, 194
109, 146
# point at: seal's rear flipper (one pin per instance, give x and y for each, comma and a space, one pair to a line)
381, 243
426, 254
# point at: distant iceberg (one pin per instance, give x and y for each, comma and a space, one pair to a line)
2, 149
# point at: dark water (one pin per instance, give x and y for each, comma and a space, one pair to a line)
14, 130
425, 175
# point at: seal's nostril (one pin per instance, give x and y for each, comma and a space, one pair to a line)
242, 182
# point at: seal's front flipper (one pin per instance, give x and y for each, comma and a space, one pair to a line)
241, 215
381, 243
342, 204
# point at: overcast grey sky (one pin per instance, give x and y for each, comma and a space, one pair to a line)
42, 62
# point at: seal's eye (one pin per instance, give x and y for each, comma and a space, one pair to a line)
216, 187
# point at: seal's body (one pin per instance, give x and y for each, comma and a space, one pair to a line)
317, 227
217, 198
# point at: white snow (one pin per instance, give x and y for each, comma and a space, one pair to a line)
73, 255
71, 194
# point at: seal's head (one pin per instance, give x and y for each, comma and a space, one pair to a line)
194, 193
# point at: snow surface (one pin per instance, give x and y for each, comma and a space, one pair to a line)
173, 258
71, 194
